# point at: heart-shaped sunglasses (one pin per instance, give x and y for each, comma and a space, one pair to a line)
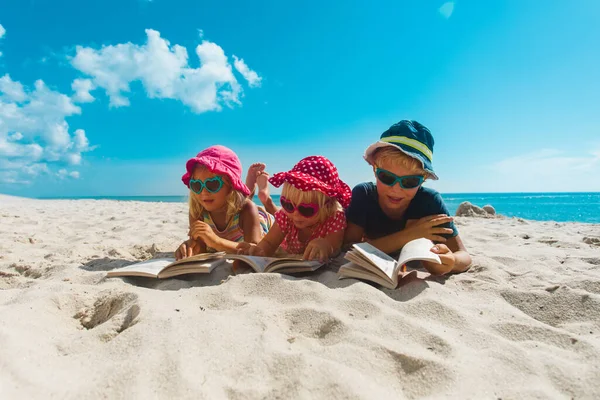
307, 210
212, 185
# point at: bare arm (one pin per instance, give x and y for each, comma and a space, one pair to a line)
190, 247
426, 227
353, 234
461, 255
388, 244
250, 222
270, 243
453, 255
323, 248
206, 237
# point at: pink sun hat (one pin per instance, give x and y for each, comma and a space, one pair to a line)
315, 173
220, 160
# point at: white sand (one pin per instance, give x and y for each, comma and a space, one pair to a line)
524, 322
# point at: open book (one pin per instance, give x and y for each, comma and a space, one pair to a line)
371, 264
206, 262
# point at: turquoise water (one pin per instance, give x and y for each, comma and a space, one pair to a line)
560, 207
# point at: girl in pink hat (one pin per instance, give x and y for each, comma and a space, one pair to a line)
311, 220
221, 215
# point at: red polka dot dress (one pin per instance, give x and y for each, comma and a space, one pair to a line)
292, 243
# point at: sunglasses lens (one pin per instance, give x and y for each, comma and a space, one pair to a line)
213, 185
287, 206
386, 178
307, 211
410, 182
196, 186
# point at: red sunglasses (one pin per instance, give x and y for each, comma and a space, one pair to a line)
306, 210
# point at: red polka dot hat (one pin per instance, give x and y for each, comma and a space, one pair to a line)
315, 173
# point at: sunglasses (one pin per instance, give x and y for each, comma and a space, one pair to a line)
212, 185
306, 210
406, 182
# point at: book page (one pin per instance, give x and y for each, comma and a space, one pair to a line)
356, 271
377, 258
199, 257
196, 267
259, 264
418, 249
150, 268
290, 265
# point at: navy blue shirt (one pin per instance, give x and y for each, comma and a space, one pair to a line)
366, 212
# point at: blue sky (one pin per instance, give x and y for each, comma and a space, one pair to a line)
111, 98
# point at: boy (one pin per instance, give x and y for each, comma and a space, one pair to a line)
397, 208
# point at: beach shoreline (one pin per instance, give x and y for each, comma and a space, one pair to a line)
523, 322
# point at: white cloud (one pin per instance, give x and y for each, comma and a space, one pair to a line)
549, 162
2, 31
63, 174
200, 34
15, 136
447, 9
251, 76
11, 89
82, 88
545, 170
34, 133
164, 72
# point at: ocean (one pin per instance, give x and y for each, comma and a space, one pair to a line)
559, 207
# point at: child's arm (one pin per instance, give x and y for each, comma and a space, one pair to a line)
202, 233
353, 234
323, 248
205, 233
192, 246
426, 227
453, 255
269, 244
250, 222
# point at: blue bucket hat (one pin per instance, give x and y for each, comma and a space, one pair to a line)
411, 138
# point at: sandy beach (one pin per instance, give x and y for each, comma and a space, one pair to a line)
523, 322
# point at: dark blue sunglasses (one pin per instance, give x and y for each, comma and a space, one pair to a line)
212, 185
406, 181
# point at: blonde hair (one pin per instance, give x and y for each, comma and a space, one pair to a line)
328, 206
396, 157
235, 200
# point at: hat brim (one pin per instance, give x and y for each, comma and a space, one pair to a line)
298, 179
426, 163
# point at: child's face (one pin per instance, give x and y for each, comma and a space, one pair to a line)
210, 201
395, 197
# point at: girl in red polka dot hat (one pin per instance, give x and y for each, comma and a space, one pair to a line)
311, 220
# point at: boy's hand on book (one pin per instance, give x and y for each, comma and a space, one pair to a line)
318, 249
428, 227
446, 257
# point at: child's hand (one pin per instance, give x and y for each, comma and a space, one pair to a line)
245, 247
446, 257
201, 230
318, 249
187, 249
428, 227
256, 251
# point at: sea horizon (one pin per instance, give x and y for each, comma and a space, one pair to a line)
539, 206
